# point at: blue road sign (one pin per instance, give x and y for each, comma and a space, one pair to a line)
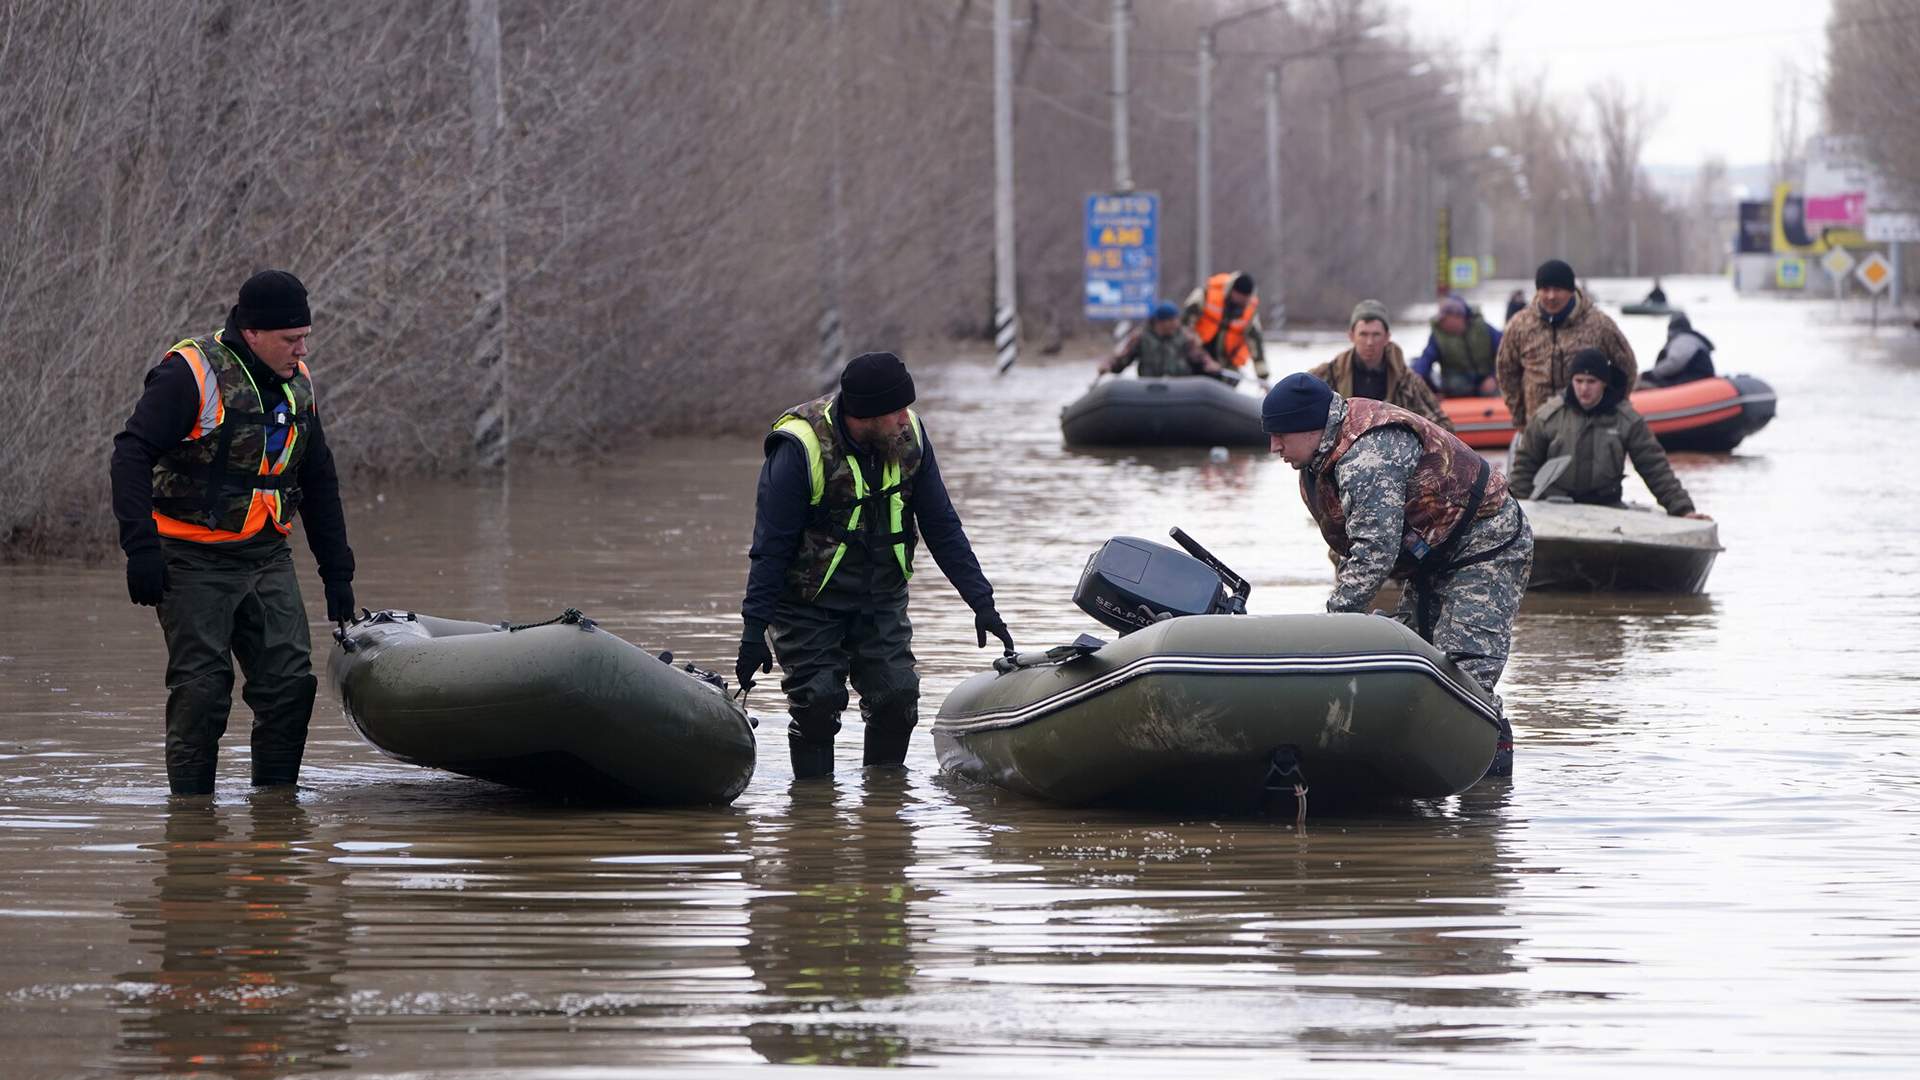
1123, 255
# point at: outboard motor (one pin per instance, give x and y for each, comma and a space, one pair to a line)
1132, 583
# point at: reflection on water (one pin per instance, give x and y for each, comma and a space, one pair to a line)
1705, 862
244, 937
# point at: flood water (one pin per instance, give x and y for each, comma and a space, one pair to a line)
1706, 860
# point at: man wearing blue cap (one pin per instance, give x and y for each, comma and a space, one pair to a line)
1163, 348
1397, 496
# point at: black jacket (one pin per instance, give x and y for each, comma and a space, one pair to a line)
161, 420
780, 515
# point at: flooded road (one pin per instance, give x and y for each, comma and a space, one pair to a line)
1706, 861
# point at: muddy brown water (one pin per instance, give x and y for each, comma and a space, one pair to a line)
1706, 860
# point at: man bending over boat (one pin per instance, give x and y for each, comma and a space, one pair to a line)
1596, 431
849, 486
1398, 496
1163, 348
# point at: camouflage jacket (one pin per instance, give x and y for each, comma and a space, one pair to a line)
1388, 489
1404, 388
1159, 356
1600, 445
1531, 365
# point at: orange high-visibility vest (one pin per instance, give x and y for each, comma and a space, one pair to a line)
1213, 316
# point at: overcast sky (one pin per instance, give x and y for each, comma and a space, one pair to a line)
1711, 63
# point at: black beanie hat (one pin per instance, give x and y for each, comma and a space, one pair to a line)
1591, 362
1554, 274
272, 300
1243, 283
1298, 402
875, 384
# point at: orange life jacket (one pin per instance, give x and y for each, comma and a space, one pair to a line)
222, 484
1232, 348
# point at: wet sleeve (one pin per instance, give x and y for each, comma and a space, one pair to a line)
1528, 451
1650, 461
945, 538
1372, 477
779, 519
324, 519
162, 418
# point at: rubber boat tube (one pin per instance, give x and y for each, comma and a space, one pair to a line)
1585, 548
1191, 410
1193, 713
1712, 415
564, 708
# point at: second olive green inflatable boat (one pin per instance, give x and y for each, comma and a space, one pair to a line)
1206, 711
564, 708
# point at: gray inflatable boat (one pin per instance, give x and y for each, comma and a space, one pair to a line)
1198, 708
563, 708
1192, 410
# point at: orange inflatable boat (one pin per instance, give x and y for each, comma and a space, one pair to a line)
1708, 414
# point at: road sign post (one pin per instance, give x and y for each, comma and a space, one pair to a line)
1876, 273
1122, 264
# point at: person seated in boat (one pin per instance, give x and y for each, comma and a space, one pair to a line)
1597, 431
849, 485
1163, 348
1374, 367
1462, 344
1531, 362
1656, 295
1225, 315
1686, 357
1398, 496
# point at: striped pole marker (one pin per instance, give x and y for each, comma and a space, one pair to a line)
833, 344
1006, 339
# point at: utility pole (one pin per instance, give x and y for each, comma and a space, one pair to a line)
491, 434
1203, 156
832, 330
1006, 323
1122, 161
1276, 258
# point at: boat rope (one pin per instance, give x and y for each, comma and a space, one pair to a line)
570, 617
1286, 763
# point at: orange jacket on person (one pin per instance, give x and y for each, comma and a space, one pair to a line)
1234, 340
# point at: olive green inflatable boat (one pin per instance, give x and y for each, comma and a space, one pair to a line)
1214, 711
563, 708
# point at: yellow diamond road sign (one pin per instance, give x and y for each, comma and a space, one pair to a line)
1837, 262
1875, 272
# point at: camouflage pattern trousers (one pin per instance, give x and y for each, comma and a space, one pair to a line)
1467, 612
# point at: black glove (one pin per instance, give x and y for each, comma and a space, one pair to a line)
989, 622
339, 600
146, 577
754, 656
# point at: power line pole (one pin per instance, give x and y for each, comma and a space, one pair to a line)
491, 434
832, 330
1006, 323
1276, 260
1122, 163
1203, 157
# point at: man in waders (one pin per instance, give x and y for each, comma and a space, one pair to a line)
849, 486
223, 448
1397, 496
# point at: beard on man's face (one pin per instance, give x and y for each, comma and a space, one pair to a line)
888, 449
